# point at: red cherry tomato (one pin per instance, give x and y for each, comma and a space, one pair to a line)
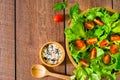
93, 53
89, 24
106, 59
84, 63
91, 41
58, 18
80, 44
104, 43
98, 21
113, 49
115, 37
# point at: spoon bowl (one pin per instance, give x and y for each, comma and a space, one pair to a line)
39, 71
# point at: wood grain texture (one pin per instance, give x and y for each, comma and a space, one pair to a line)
7, 40
35, 26
116, 5
85, 4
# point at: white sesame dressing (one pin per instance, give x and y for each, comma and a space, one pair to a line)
51, 54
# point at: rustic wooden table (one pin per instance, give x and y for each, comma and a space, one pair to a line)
25, 25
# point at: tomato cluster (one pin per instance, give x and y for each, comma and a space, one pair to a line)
81, 44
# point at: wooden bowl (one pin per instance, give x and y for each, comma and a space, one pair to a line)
61, 57
67, 44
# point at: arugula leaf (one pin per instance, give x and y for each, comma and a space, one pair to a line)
60, 6
74, 11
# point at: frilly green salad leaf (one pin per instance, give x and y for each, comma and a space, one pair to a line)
108, 23
60, 6
74, 11
116, 27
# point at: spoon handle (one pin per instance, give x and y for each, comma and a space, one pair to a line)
59, 76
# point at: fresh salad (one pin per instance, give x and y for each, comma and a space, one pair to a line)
94, 43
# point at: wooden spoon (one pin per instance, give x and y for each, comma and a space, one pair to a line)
39, 71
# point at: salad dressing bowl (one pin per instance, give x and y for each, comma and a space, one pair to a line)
52, 54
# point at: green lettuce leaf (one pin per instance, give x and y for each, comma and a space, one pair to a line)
70, 35
60, 6
74, 11
118, 61
98, 32
116, 27
114, 17
74, 52
100, 52
78, 29
80, 73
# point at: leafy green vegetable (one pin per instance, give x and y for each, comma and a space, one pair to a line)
60, 6
78, 29
75, 32
80, 73
94, 12
108, 75
74, 52
116, 27
114, 17
100, 51
74, 11
118, 62
94, 76
70, 35
98, 32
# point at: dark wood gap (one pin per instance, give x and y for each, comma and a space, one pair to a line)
65, 41
112, 4
15, 39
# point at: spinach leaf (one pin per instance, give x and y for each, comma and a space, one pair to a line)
60, 6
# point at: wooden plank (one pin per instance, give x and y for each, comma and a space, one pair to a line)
85, 4
35, 26
116, 6
7, 40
